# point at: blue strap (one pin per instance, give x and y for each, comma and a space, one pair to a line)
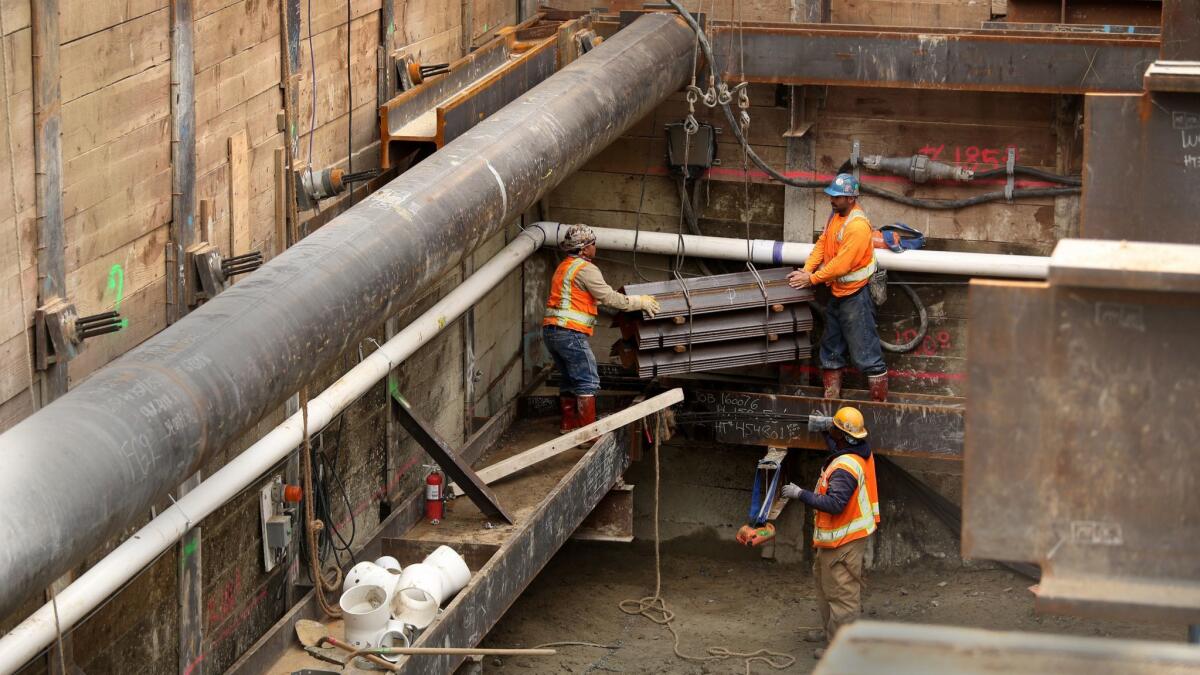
760, 504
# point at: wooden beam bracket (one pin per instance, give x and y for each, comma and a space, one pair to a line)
59, 331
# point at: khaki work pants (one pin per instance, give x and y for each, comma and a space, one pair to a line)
837, 574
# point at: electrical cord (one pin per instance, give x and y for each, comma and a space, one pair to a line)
879, 192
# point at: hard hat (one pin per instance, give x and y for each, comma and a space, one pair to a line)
844, 185
578, 237
850, 420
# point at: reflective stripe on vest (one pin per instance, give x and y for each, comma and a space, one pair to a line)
564, 314
867, 512
863, 272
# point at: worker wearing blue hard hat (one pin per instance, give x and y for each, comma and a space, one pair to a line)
844, 259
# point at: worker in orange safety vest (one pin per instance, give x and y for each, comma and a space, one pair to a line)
844, 258
576, 293
846, 503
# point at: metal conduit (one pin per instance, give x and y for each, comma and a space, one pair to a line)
83, 468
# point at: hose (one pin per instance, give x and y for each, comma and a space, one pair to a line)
1032, 173
922, 329
879, 192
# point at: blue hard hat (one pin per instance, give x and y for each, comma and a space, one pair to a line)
844, 185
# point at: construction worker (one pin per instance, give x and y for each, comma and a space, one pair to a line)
844, 258
576, 292
846, 502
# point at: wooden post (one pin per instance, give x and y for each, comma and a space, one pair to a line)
47, 145
183, 154
468, 25
239, 197
289, 45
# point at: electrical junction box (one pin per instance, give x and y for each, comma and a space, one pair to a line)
700, 149
276, 519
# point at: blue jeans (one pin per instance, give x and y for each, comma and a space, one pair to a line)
850, 326
573, 356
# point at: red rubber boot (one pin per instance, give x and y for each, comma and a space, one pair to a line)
570, 418
832, 379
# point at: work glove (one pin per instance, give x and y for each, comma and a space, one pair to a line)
791, 491
818, 423
648, 305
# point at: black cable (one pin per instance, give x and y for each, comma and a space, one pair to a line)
887, 194
922, 329
689, 216
1031, 172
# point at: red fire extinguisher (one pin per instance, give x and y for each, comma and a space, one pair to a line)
433, 497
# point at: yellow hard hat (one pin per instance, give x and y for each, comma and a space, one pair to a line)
850, 420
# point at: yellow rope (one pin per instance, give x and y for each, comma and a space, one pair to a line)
654, 607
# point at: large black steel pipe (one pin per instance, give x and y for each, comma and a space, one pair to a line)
78, 471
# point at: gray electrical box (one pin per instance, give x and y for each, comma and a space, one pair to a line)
701, 151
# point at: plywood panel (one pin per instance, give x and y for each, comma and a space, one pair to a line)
100, 59
78, 18
105, 115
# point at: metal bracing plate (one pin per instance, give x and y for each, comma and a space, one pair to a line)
721, 292
742, 324
918, 649
967, 60
1140, 166
909, 426
1080, 447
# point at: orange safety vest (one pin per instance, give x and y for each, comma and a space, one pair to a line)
570, 306
861, 515
864, 267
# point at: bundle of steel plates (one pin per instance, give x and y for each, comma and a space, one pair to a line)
722, 321
717, 355
747, 323
721, 293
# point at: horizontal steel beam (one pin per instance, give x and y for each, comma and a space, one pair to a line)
911, 425
975, 60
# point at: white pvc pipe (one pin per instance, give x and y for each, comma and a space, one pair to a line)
114, 570
770, 252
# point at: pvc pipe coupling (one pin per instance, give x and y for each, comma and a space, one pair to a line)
386, 605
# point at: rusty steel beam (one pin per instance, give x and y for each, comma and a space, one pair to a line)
469, 617
135, 429
913, 58
910, 425
1083, 401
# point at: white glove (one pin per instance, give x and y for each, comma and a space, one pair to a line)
648, 305
791, 491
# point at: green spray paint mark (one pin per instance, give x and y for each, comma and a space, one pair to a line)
190, 548
116, 286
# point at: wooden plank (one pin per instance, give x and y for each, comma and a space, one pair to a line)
256, 116
14, 365
231, 30
244, 76
280, 202
442, 47
95, 176
329, 49
190, 582
574, 439
123, 217
239, 205
18, 298
15, 409
85, 17
14, 15
105, 115
111, 55
18, 59
106, 282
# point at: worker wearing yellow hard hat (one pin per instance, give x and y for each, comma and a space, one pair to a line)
846, 502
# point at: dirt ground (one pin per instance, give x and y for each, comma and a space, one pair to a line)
726, 596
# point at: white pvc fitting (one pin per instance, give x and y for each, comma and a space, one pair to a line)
395, 635
414, 607
453, 566
365, 612
428, 579
387, 562
372, 574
